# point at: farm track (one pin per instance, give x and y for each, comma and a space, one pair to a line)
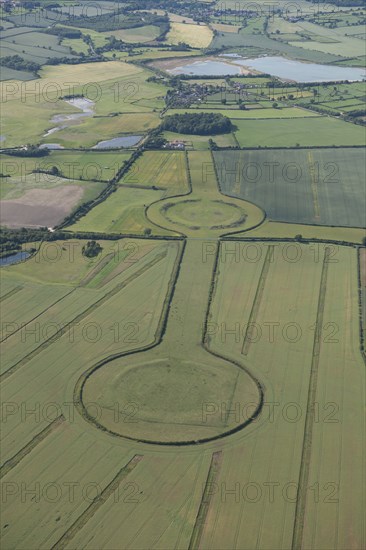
314, 188
257, 300
11, 293
207, 495
90, 276
38, 315
37, 439
297, 537
97, 503
80, 317
361, 261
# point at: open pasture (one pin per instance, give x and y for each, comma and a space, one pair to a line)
94, 129
138, 34
13, 74
315, 186
33, 46
122, 212
74, 165
76, 45
114, 87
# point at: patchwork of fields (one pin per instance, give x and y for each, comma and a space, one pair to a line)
183, 315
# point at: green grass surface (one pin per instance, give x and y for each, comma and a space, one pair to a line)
122, 212
88, 165
139, 34
313, 131
289, 112
162, 169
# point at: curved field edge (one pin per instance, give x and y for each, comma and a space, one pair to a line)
78, 390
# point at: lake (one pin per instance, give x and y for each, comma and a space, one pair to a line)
286, 69
15, 258
124, 141
299, 71
208, 67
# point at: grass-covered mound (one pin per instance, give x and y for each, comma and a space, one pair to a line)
202, 124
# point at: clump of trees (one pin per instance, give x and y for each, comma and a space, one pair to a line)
91, 249
29, 151
202, 124
19, 64
11, 240
64, 32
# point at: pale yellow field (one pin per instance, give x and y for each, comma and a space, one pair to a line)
56, 78
222, 27
193, 35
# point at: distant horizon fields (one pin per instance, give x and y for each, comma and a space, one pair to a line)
183, 315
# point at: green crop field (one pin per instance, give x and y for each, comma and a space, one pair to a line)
165, 170
79, 165
289, 112
321, 186
139, 34
183, 316
122, 212
313, 131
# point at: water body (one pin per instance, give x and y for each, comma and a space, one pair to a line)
299, 71
82, 103
286, 69
124, 141
208, 67
51, 146
14, 259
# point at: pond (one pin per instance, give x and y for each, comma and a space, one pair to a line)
124, 141
286, 69
14, 258
82, 103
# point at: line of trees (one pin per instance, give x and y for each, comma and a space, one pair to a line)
19, 64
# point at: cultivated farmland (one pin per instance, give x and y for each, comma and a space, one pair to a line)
198, 36
313, 131
315, 186
167, 170
183, 344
